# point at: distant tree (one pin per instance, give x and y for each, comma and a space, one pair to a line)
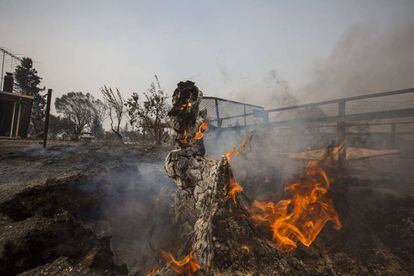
97, 129
125, 131
54, 125
99, 112
126, 127
80, 109
27, 79
150, 114
59, 125
115, 103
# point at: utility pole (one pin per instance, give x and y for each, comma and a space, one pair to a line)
49, 98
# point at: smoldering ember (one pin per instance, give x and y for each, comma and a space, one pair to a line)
275, 138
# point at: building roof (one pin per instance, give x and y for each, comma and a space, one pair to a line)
15, 96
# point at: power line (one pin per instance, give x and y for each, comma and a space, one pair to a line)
10, 54
5, 52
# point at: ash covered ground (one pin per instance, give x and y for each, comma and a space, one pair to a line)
82, 209
105, 209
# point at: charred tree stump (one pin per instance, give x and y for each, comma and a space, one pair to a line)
212, 216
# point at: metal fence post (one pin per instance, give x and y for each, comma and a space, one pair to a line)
245, 116
341, 130
217, 114
265, 116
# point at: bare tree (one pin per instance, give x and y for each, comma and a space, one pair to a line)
78, 108
151, 113
115, 104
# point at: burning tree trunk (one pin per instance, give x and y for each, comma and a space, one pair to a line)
209, 208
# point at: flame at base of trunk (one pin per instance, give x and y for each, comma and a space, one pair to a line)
234, 189
303, 215
188, 265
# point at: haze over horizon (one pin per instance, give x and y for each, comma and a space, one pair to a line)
242, 50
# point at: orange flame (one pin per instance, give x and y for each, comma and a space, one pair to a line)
234, 152
304, 214
246, 248
235, 188
200, 133
152, 272
185, 106
197, 136
187, 265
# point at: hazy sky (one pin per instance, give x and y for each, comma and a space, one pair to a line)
224, 46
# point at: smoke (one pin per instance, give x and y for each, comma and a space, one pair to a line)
135, 210
272, 90
367, 59
223, 71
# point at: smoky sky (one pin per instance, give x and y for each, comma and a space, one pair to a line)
266, 52
367, 59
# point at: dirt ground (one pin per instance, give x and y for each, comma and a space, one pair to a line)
104, 209
80, 209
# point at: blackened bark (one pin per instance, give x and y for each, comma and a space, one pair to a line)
216, 227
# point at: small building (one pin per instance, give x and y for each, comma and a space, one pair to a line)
15, 111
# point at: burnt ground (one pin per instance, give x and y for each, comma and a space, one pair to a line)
104, 209
82, 209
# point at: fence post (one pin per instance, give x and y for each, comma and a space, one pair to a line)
265, 116
49, 99
245, 117
217, 114
341, 130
